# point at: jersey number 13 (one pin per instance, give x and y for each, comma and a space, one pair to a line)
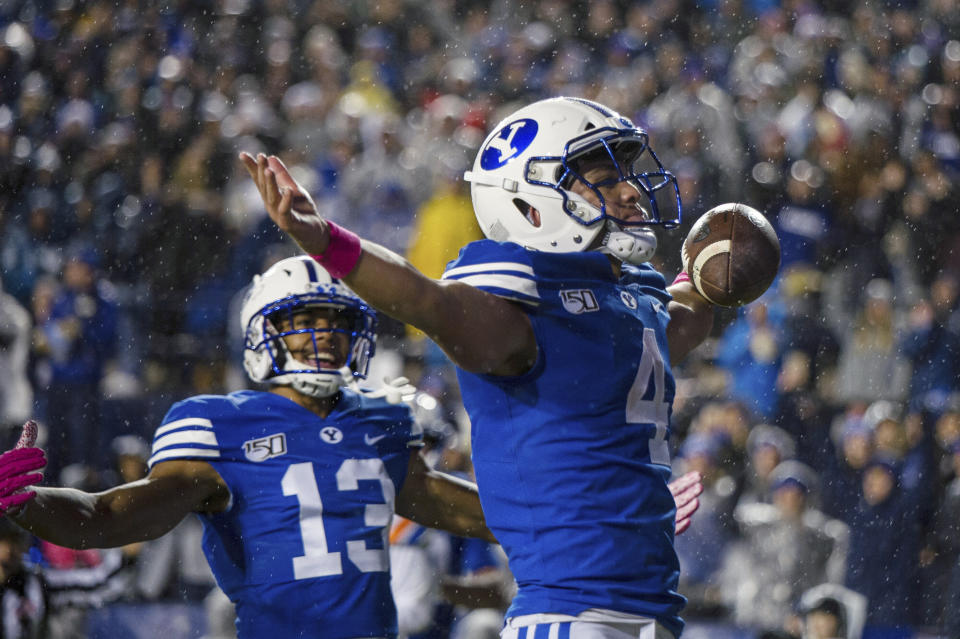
317, 560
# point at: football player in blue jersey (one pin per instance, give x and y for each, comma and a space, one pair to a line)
563, 335
296, 487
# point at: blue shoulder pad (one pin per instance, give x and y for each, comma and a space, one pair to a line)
502, 268
187, 431
648, 278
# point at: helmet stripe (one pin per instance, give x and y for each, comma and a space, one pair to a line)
311, 269
596, 107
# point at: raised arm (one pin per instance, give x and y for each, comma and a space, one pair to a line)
479, 331
439, 500
691, 319
137, 511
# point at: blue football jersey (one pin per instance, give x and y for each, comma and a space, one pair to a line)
572, 460
302, 549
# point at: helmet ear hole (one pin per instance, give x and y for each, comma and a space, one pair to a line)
529, 213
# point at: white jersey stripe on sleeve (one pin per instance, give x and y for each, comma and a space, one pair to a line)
180, 423
183, 452
519, 285
201, 437
487, 267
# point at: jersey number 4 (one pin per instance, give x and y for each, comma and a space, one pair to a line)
655, 410
317, 560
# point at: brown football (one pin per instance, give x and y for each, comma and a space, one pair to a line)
731, 254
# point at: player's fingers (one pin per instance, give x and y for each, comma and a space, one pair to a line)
685, 481
12, 501
248, 162
253, 169
252, 166
14, 484
28, 436
271, 189
21, 460
687, 495
262, 173
680, 527
278, 167
686, 510
286, 201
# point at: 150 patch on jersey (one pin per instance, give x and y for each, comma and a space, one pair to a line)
262, 449
577, 301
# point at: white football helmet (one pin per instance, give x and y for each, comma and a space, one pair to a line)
287, 286
532, 157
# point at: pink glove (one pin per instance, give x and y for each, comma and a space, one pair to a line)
15, 470
685, 490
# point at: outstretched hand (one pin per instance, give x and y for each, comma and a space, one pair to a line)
395, 390
16, 470
685, 490
288, 204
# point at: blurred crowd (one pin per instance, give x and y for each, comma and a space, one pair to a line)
825, 417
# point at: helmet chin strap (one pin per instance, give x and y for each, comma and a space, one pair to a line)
319, 384
633, 245
322, 384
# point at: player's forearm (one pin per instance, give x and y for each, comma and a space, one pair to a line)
480, 332
76, 519
483, 590
451, 504
64, 516
392, 285
691, 319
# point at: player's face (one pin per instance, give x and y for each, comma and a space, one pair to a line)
331, 330
622, 198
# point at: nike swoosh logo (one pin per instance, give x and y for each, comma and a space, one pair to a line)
370, 441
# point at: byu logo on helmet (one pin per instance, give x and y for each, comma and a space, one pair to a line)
512, 140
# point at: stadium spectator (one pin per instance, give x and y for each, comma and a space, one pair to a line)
702, 548
884, 551
750, 351
842, 473
767, 447
831, 611
941, 590
932, 344
80, 338
23, 590
16, 392
870, 366
786, 547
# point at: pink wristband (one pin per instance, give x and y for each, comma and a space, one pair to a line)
343, 251
681, 277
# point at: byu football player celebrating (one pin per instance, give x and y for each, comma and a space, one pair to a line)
296, 487
563, 336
